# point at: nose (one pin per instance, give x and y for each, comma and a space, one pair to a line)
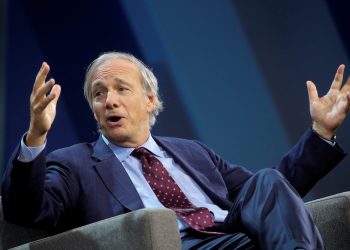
112, 100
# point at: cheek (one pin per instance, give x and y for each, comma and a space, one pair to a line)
142, 110
97, 112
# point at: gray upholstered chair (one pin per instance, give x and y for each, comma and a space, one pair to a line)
157, 229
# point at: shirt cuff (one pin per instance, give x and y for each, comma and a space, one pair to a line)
332, 143
27, 154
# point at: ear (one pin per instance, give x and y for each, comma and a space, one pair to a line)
151, 101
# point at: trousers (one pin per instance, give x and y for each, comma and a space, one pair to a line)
267, 213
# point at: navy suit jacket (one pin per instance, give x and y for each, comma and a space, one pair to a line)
85, 183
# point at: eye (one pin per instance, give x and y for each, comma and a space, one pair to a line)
122, 89
98, 93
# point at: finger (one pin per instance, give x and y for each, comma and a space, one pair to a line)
44, 103
348, 99
51, 98
43, 90
338, 78
41, 76
346, 86
56, 91
344, 103
312, 91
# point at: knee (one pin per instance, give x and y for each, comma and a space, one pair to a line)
270, 183
269, 173
270, 176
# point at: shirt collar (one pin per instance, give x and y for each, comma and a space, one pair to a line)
123, 153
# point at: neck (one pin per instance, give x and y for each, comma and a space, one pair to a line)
128, 142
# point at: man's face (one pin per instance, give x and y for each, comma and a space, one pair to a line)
120, 104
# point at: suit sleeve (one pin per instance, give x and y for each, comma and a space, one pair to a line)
309, 161
37, 194
303, 166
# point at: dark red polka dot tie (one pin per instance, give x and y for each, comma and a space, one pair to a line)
170, 194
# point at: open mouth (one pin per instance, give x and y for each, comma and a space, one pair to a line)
114, 118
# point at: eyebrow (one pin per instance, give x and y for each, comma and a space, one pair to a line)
116, 79
123, 82
119, 80
96, 84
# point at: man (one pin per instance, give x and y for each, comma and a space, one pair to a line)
223, 206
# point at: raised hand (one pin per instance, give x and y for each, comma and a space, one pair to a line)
328, 112
43, 101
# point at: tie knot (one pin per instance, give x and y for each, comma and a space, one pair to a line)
139, 152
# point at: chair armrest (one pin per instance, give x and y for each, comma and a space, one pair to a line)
150, 228
332, 217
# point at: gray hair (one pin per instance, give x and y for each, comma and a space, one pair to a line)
148, 80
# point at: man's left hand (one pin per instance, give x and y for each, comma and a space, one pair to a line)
328, 112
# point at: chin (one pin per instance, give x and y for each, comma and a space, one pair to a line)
118, 138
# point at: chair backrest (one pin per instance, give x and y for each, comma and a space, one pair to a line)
12, 235
332, 217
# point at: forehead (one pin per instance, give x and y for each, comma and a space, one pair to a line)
120, 68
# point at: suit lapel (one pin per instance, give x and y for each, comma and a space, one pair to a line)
195, 165
114, 176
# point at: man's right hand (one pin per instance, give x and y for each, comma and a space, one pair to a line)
42, 107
